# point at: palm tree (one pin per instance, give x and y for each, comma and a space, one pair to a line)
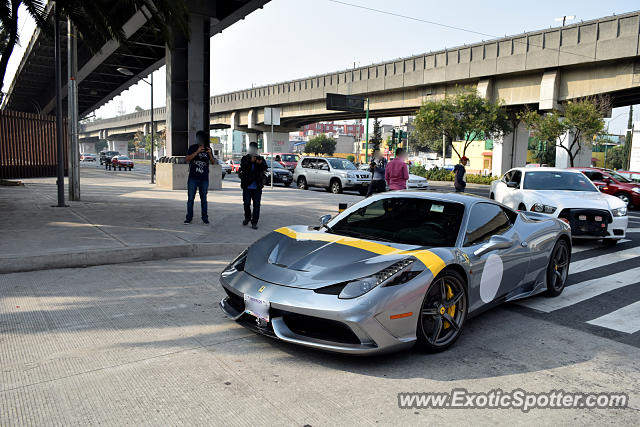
97, 21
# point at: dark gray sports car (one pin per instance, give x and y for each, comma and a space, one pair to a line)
394, 270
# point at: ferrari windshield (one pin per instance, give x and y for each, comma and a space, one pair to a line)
406, 220
557, 181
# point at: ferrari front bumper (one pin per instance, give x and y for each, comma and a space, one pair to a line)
320, 321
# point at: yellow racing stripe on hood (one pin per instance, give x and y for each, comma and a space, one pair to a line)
432, 261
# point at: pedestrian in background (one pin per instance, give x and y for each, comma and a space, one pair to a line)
252, 169
460, 179
397, 171
199, 156
377, 168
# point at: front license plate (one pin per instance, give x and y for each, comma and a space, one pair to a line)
256, 307
582, 217
598, 219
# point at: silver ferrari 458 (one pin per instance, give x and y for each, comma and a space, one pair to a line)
394, 270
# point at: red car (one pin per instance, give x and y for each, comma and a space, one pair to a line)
611, 182
287, 160
235, 165
121, 162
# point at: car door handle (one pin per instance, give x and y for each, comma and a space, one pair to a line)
524, 244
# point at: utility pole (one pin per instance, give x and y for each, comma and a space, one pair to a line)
366, 133
58, 83
627, 140
72, 109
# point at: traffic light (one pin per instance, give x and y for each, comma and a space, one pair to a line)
393, 138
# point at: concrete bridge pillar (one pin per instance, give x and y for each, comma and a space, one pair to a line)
87, 147
510, 151
188, 82
583, 158
122, 146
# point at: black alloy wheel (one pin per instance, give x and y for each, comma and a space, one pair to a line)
443, 312
558, 268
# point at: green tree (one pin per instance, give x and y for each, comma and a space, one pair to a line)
583, 119
97, 21
321, 144
615, 158
102, 144
627, 140
465, 116
376, 137
138, 108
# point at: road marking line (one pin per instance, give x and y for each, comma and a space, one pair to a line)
633, 230
603, 259
582, 291
625, 319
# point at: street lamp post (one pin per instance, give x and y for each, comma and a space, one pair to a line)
128, 72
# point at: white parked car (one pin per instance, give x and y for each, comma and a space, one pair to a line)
416, 181
567, 195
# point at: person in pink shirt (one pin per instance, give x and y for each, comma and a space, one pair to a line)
397, 171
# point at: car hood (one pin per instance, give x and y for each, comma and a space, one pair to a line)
576, 199
301, 257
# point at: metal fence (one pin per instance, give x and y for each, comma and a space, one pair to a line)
28, 145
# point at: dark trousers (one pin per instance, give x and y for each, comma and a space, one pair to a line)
202, 186
248, 196
377, 186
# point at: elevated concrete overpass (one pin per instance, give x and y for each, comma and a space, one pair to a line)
541, 69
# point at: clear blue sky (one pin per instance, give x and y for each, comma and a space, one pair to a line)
296, 38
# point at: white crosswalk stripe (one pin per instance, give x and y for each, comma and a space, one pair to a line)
585, 246
601, 261
626, 319
583, 291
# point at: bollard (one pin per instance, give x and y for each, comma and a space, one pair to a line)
342, 207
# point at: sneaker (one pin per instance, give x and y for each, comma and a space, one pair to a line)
254, 226
186, 222
206, 221
245, 222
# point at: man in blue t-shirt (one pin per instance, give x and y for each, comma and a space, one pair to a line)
199, 156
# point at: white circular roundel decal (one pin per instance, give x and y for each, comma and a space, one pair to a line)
491, 278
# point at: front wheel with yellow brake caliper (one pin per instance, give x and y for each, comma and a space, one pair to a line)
443, 312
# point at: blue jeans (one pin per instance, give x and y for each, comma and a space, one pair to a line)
202, 186
248, 196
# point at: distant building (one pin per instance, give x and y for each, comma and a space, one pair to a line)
232, 142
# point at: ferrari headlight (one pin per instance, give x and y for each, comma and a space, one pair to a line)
620, 211
636, 189
539, 207
237, 264
392, 275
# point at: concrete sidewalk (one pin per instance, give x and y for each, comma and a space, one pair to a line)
123, 218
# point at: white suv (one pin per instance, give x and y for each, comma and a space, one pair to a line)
333, 173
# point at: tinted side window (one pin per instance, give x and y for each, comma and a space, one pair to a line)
507, 176
596, 176
307, 163
322, 165
485, 220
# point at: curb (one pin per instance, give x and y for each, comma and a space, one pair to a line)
116, 256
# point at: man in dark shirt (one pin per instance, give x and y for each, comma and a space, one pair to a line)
199, 156
377, 169
252, 168
460, 180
